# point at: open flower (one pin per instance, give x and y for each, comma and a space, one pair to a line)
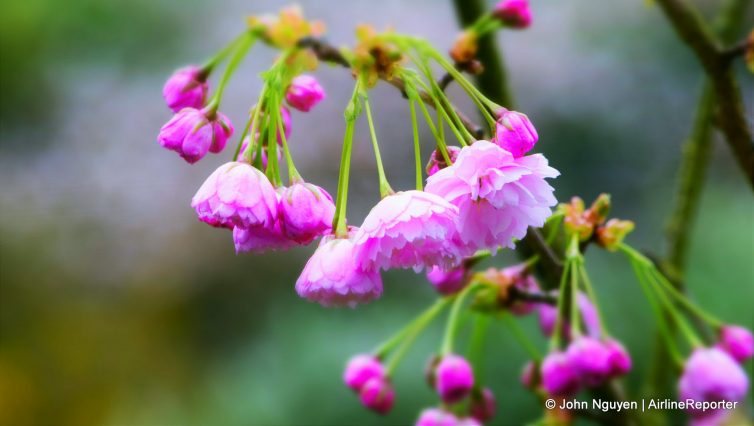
711, 375
333, 276
261, 238
304, 93
186, 88
306, 211
498, 196
408, 229
237, 194
192, 133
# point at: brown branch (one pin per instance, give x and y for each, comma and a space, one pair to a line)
328, 53
730, 116
516, 293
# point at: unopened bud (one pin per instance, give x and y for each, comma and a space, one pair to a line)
465, 48
611, 234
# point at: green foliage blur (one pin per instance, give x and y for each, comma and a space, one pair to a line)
118, 308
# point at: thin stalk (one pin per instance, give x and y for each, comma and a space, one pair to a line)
241, 49
521, 337
351, 114
411, 336
210, 64
395, 339
451, 329
417, 146
593, 296
385, 188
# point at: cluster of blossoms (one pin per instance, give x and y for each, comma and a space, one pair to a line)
477, 198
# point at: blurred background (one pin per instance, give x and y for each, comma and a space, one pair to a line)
117, 307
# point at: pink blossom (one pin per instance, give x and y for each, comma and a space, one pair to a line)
619, 358
306, 211
236, 194
378, 395
590, 359
260, 238
436, 417
737, 341
304, 93
437, 160
513, 13
192, 133
408, 229
558, 375
498, 196
333, 275
483, 405
448, 281
710, 375
361, 369
186, 88
454, 378
515, 133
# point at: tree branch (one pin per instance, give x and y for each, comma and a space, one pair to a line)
731, 117
328, 53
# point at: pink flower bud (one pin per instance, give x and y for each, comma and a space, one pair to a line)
437, 160
737, 341
711, 375
236, 194
448, 282
513, 13
558, 376
307, 212
483, 405
191, 133
304, 93
515, 133
333, 275
362, 368
378, 395
186, 88
454, 378
590, 359
436, 417
530, 375
619, 358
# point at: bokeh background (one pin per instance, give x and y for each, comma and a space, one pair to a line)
117, 307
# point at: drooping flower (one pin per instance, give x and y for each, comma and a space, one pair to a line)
590, 359
436, 417
186, 88
306, 211
362, 368
448, 281
498, 196
513, 13
515, 133
192, 133
237, 194
454, 378
304, 93
378, 395
483, 405
711, 375
558, 375
437, 160
619, 358
261, 238
408, 229
333, 276
548, 316
737, 341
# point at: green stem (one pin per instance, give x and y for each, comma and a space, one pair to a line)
273, 169
417, 147
385, 188
690, 306
293, 174
593, 296
556, 343
241, 49
521, 337
210, 64
408, 339
451, 329
476, 346
351, 114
